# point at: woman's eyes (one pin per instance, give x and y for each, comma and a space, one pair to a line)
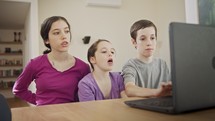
58, 32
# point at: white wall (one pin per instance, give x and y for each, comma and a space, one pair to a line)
192, 11
32, 38
113, 23
167, 11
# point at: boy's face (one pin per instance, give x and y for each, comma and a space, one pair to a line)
145, 42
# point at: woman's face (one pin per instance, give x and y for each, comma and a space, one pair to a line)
59, 36
104, 56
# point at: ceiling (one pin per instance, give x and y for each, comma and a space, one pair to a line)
13, 14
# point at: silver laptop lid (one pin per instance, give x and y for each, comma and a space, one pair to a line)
192, 49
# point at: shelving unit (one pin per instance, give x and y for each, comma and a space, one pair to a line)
11, 65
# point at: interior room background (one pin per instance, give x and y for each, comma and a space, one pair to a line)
113, 23
106, 22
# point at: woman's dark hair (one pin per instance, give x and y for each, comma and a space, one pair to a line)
92, 50
45, 28
141, 24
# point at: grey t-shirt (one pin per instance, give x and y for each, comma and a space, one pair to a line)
146, 75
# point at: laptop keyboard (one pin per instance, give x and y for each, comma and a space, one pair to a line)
161, 102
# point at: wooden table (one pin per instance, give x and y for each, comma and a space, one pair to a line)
106, 110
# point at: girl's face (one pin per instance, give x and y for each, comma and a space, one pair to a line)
145, 42
59, 36
104, 56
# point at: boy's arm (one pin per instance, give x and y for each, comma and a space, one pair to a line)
134, 91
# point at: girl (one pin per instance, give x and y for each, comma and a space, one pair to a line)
101, 84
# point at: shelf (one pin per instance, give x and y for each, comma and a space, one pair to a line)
11, 58
6, 89
19, 43
19, 65
8, 76
10, 54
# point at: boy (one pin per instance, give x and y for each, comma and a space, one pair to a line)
145, 76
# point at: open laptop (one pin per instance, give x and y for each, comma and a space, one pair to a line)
192, 53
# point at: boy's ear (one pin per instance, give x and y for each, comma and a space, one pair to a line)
134, 42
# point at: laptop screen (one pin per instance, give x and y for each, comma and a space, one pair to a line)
192, 49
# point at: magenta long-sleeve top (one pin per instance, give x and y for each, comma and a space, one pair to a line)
52, 86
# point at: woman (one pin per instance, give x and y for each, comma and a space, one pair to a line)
56, 73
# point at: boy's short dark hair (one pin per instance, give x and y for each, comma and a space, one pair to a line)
141, 24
